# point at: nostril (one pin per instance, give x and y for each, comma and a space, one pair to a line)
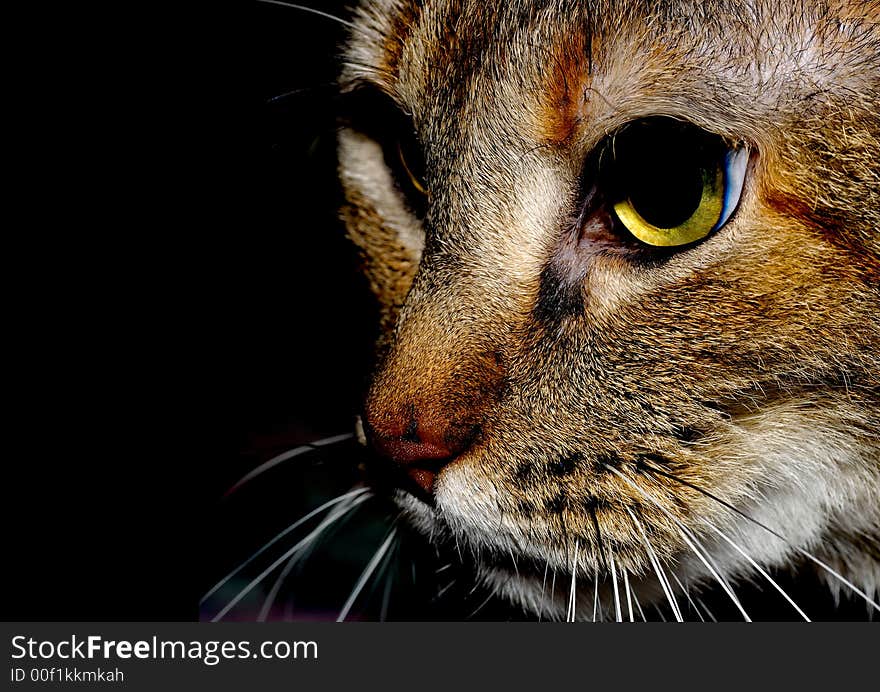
412, 431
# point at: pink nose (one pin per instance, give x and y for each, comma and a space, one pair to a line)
419, 446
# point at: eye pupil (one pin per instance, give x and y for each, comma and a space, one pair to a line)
667, 198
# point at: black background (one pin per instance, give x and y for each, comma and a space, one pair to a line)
182, 300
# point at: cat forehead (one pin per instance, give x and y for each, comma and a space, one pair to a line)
678, 51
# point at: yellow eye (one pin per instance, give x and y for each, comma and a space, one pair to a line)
633, 211
674, 184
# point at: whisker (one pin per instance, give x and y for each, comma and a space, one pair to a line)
301, 90
491, 595
305, 541
326, 15
778, 535
458, 550
658, 569
476, 586
385, 566
444, 590
595, 597
708, 612
482, 605
617, 612
365, 575
386, 595
687, 595
543, 587
629, 604
599, 539
639, 606
571, 596
513, 560
703, 557
299, 522
683, 532
276, 587
760, 569
284, 456
301, 556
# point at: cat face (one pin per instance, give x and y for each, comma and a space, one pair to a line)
563, 382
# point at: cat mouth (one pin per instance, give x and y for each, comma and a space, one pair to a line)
391, 480
533, 583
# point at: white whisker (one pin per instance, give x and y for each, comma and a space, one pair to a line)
444, 590
708, 612
760, 569
617, 613
458, 550
292, 551
543, 588
319, 13
839, 577
513, 560
629, 604
571, 597
658, 569
639, 606
687, 595
299, 522
276, 587
595, 597
683, 532
778, 535
284, 456
386, 598
488, 598
365, 575
692, 544
301, 556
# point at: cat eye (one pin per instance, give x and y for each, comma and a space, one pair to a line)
672, 183
375, 115
409, 153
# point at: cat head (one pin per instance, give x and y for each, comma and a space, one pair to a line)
627, 256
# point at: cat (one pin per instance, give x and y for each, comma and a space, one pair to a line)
626, 256
628, 261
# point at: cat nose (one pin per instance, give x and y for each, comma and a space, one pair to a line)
419, 447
